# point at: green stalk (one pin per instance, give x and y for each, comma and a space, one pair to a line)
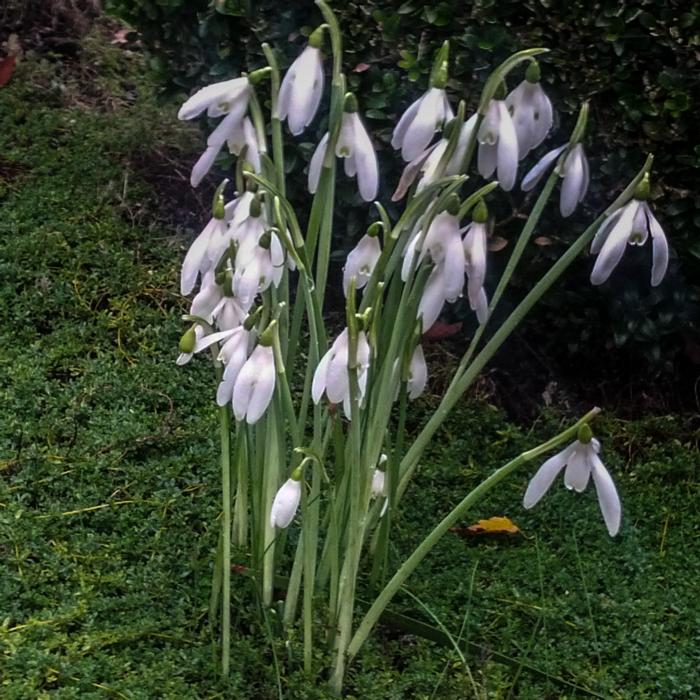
410, 460
473, 497
225, 433
276, 125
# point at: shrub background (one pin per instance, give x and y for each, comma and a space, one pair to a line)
637, 63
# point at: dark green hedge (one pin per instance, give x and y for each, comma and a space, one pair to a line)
637, 62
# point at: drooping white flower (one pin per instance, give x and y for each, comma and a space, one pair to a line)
632, 223
208, 298
234, 353
475, 263
361, 261
244, 137
425, 164
420, 121
301, 90
218, 99
286, 503
332, 375
417, 373
581, 461
355, 147
255, 385
259, 264
186, 354
532, 115
573, 169
498, 145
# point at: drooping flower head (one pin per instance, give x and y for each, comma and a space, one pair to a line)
630, 224
531, 111
475, 261
286, 502
427, 114
361, 261
302, 86
498, 145
581, 461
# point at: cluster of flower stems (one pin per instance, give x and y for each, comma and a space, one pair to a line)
294, 457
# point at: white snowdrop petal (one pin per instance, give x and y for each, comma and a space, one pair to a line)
418, 373
614, 245
534, 176
405, 121
571, 184
428, 118
285, 504
578, 469
659, 250
203, 165
608, 498
507, 149
544, 477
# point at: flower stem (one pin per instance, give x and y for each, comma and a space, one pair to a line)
409, 565
225, 430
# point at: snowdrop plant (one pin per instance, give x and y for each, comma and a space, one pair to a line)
332, 456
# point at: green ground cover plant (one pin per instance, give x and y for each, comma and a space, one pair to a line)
109, 486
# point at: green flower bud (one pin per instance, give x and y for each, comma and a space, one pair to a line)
440, 72
297, 474
350, 104
316, 37
255, 207
188, 340
480, 213
375, 229
641, 191
533, 73
265, 240
218, 209
585, 434
452, 205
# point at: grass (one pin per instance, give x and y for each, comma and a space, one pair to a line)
109, 479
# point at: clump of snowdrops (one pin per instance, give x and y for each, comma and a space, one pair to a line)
333, 458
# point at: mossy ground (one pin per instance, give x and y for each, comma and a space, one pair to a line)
109, 479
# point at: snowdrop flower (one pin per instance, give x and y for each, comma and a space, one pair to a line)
432, 300
255, 385
475, 261
531, 111
207, 249
208, 298
302, 86
417, 373
361, 261
420, 121
573, 169
425, 164
332, 375
378, 482
233, 354
581, 461
259, 264
218, 99
632, 223
498, 145
355, 147
286, 502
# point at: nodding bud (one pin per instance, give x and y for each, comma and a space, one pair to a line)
257, 76
265, 241
533, 72
316, 37
641, 191
268, 335
452, 204
350, 104
218, 209
252, 319
297, 474
480, 213
255, 207
439, 75
188, 340
375, 229
585, 434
